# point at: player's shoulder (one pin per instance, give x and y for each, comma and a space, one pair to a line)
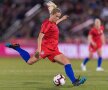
102, 27
46, 21
92, 29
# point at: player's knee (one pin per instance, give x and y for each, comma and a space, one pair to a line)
66, 62
90, 56
29, 63
99, 54
32, 61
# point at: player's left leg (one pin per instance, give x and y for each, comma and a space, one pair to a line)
68, 69
99, 62
24, 54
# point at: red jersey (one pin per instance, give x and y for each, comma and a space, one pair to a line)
51, 37
96, 34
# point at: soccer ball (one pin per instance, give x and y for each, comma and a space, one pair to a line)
59, 80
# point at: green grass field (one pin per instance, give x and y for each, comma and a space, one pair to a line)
15, 74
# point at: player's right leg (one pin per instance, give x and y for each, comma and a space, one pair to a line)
24, 54
68, 69
99, 62
85, 61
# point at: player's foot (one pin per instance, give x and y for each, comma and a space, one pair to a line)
99, 69
83, 67
10, 45
79, 81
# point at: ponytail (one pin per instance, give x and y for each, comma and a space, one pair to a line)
52, 7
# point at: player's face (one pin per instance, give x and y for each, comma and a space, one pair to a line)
97, 23
56, 16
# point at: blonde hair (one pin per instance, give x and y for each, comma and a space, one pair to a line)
52, 7
97, 22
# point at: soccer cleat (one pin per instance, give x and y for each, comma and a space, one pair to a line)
83, 67
10, 45
79, 81
99, 69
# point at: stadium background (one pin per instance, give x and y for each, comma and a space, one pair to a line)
20, 22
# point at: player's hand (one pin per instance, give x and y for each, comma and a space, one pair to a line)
37, 53
94, 44
65, 17
103, 42
61, 19
38, 50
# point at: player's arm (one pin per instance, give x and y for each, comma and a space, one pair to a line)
91, 40
44, 28
39, 41
62, 18
103, 38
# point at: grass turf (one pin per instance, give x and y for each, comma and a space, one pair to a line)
15, 74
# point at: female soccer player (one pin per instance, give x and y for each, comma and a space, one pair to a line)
96, 40
48, 44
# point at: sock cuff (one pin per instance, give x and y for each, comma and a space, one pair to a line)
87, 58
67, 65
17, 48
100, 57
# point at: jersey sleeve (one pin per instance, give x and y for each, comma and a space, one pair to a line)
45, 27
91, 32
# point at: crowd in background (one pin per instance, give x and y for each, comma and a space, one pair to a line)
78, 10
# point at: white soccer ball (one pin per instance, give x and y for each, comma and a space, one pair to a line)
59, 80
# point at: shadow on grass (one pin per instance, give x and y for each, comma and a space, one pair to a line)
56, 87
48, 88
42, 86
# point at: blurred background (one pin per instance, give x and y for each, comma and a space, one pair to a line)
20, 22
